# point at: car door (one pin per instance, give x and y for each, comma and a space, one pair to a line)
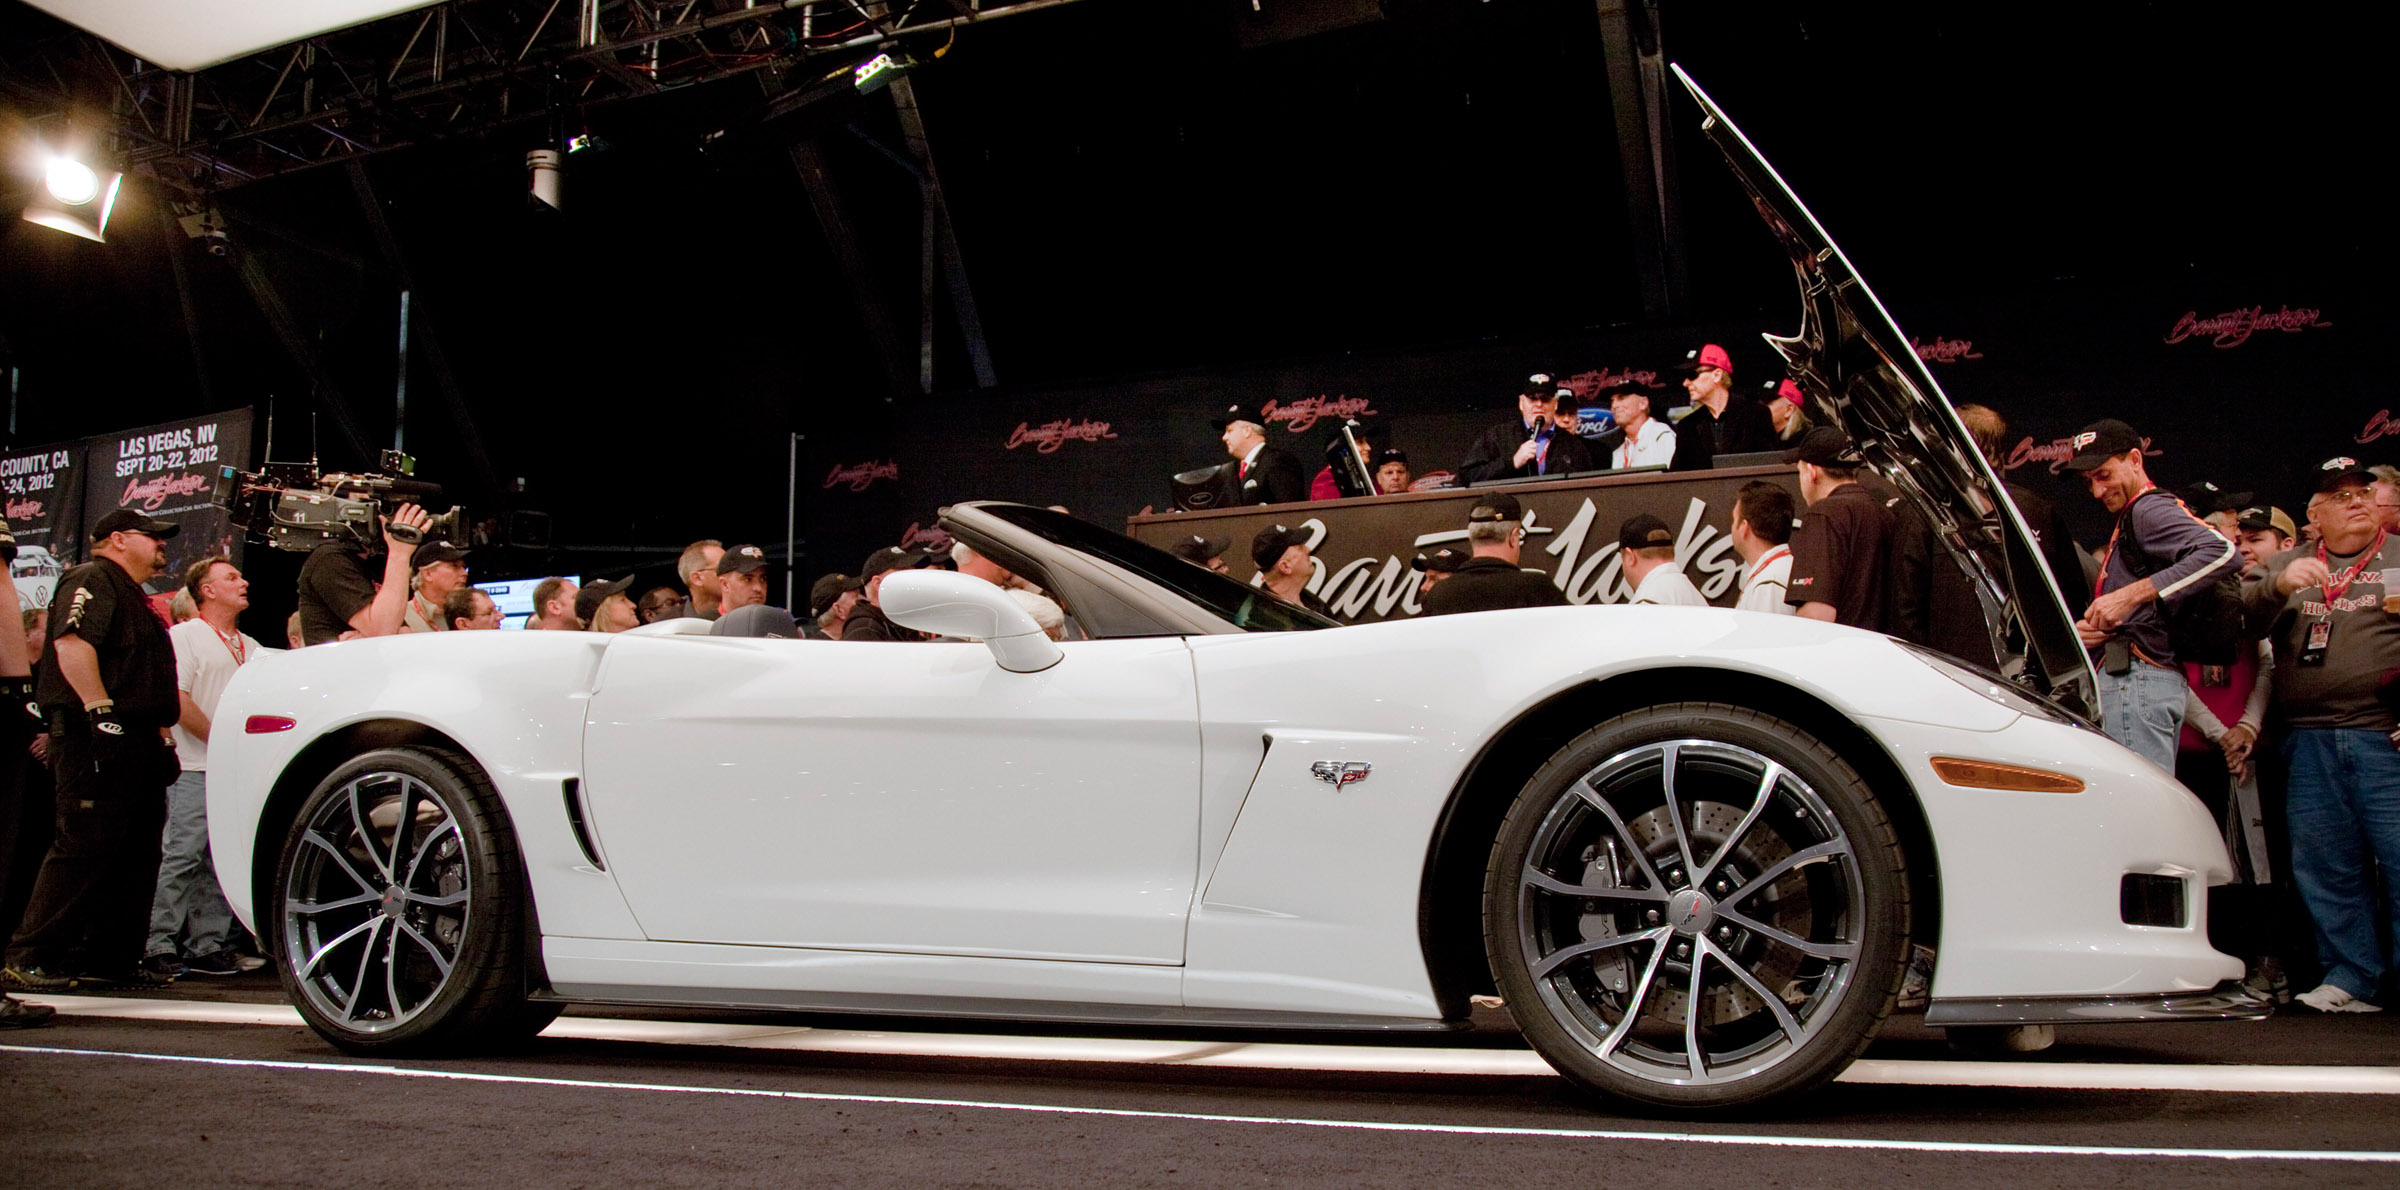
900, 797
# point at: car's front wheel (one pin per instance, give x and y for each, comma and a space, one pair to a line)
400, 908
1697, 907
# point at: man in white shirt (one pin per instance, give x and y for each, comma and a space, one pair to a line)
1762, 534
1647, 547
1648, 441
188, 913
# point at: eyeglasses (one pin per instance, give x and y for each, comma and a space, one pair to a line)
2347, 497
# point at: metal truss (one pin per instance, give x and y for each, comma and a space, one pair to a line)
458, 70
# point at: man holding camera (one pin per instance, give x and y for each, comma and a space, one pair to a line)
109, 693
340, 597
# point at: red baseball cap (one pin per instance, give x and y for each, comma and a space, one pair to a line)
1788, 390
1708, 356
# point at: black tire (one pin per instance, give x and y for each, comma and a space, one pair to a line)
430, 960
1798, 932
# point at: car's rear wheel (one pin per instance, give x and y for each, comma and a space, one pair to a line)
400, 908
1697, 907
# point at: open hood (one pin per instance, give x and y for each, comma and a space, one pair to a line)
1859, 371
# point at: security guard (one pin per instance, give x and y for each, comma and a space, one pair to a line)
108, 688
1492, 580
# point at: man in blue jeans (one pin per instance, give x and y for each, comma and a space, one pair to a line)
188, 914
2158, 555
2332, 611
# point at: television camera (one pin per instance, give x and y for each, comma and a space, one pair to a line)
292, 506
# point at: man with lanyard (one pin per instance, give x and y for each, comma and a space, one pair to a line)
109, 691
440, 569
2330, 611
1529, 444
189, 913
1762, 534
2158, 555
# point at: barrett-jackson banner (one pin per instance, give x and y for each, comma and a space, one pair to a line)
43, 492
168, 471
1360, 549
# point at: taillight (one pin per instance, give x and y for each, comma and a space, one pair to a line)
267, 724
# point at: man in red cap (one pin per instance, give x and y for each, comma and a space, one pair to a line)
1783, 411
1735, 424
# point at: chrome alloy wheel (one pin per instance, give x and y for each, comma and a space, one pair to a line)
376, 901
1691, 911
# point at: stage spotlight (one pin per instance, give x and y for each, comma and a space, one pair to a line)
877, 72
75, 198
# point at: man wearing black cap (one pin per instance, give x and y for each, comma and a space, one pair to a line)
1491, 580
1841, 553
867, 621
1260, 474
1284, 567
1203, 551
108, 689
742, 607
1646, 550
1735, 424
2333, 616
1437, 565
604, 606
440, 569
2158, 555
830, 599
1530, 443
341, 598
1392, 475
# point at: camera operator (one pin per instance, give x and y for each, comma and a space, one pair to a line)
339, 596
110, 695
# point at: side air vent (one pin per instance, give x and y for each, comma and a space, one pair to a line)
2151, 900
572, 789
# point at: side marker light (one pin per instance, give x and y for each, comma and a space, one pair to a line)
1985, 774
267, 724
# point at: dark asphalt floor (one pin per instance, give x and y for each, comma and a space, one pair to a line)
90, 1118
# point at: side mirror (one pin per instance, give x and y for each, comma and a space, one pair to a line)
946, 603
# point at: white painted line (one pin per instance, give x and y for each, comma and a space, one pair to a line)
1706, 1138
2031, 1074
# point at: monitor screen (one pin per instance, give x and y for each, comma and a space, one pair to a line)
514, 598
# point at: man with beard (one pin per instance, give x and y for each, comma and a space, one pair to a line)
109, 692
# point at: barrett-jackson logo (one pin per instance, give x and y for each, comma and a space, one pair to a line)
2056, 452
1945, 351
1303, 413
2381, 425
1049, 436
2234, 327
861, 476
1599, 380
25, 510
149, 494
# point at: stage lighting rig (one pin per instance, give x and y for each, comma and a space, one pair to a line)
74, 197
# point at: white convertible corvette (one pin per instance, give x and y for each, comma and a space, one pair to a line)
1692, 849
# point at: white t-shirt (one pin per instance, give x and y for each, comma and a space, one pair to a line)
1666, 585
204, 663
1651, 445
1765, 582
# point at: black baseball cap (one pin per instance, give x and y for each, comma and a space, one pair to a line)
1826, 446
1391, 454
1197, 550
1271, 543
433, 552
1499, 506
2205, 497
825, 591
741, 559
1541, 386
2337, 472
2101, 441
1445, 560
890, 557
1642, 530
1239, 412
126, 520
588, 600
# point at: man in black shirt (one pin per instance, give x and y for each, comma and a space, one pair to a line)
1734, 424
340, 597
20, 721
108, 689
867, 621
1259, 474
1284, 566
1841, 553
1530, 443
1492, 580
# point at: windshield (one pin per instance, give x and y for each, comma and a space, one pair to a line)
1239, 604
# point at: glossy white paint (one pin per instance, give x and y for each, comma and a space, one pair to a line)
852, 823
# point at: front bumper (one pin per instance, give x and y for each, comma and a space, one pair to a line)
2228, 1001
